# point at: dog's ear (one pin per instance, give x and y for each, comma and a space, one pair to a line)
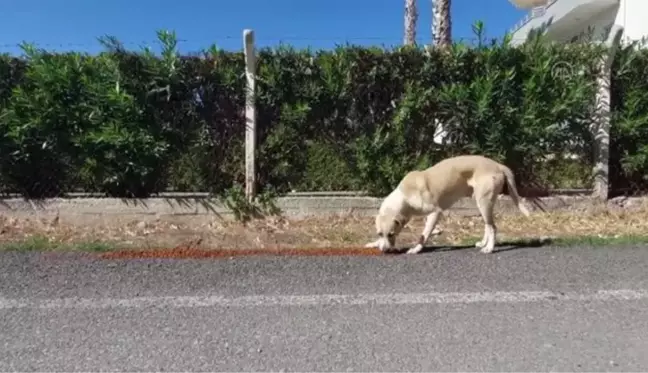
399, 220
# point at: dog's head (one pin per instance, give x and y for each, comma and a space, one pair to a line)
388, 227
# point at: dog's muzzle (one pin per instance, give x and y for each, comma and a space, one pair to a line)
386, 244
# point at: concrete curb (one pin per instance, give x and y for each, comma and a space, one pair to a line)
291, 206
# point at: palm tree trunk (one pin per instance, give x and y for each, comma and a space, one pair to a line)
441, 38
411, 16
441, 23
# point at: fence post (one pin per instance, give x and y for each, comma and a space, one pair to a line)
250, 115
601, 126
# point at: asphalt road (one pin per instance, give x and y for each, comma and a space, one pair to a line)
540, 309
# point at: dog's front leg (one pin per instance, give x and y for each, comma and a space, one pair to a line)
430, 223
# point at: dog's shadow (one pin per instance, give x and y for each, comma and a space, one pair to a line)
500, 247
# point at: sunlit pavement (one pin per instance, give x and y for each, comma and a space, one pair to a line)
535, 309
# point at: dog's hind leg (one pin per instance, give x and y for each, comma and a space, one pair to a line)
486, 196
481, 243
487, 244
430, 223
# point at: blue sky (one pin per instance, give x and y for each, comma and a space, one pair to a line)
75, 24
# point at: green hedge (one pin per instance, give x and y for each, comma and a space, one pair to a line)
629, 130
131, 124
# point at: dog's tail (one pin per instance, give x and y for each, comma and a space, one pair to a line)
510, 181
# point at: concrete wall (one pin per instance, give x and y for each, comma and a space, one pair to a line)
93, 209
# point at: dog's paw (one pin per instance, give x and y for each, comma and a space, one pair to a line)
372, 245
487, 249
415, 250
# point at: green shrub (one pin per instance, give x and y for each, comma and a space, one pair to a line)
629, 129
132, 124
41, 121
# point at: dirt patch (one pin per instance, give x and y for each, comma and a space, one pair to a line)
280, 234
191, 252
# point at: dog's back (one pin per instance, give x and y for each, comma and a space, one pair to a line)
465, 165
450, 179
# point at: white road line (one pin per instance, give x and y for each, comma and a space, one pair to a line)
323, 300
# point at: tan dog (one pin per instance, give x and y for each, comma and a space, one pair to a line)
436, 189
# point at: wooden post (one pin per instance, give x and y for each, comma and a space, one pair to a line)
250, 115
601, 127
601, 132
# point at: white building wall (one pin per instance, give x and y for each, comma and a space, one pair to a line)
632, 15
596, 28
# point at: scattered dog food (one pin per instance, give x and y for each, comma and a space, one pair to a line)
188, 252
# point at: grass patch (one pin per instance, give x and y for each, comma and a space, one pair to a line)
600, 240
611, 226
566, 241
42, 243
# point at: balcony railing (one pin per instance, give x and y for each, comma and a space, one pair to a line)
535, 12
